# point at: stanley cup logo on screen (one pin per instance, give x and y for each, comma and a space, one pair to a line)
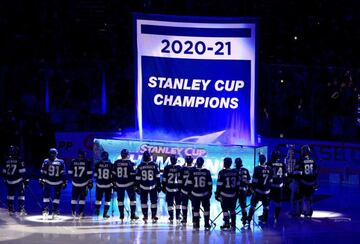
195, 79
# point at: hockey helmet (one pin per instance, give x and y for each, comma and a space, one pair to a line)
189, 160
173, 159
275, 155
124, 153
81, 153
227, 162
200, 162
262, 158
305, 150
238, 163
146, 156
53, 151
13, 150
104, 155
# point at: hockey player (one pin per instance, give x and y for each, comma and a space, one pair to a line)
308, 180
124, 181
184, 186
294, 175
170, 186
226, 193
279, 173
103, 177
14, 173
200, 191
244, 190
148, 183
261, 182
80, 173
290, 159
52, 179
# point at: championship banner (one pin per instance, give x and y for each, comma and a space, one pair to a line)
195, 78
161, 152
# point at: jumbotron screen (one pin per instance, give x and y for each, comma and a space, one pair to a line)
161, 152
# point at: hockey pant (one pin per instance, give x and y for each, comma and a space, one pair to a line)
276, 196
170, 198
14, 189
47, 196
295, 198
242, 201
256, 197
144, 195
184, 205
78, 193
99, 195
205, 202
228, 205
307, 192
121, 197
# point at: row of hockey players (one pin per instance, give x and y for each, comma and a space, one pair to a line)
180, 184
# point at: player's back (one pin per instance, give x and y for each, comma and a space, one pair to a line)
171, 177
124, 173
102, 174
147, 175
309, 172
278, 173
53, 171
14, 170
80, 172
244, 178
200, 182
262, 179
185, 172
229, 182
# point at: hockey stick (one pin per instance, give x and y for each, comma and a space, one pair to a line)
180, 215
241, 209
211, 221
112, 203
90, 199
254, 222
127, 210
2, 203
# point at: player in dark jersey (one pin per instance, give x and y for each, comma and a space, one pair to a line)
184, 186
52, 179
244, 190
200, 190
124, 181
148, 183
81, 174
261, 182
308, 180
226, 192
171, 187
294, 175
104, 183
279, 173
14, 173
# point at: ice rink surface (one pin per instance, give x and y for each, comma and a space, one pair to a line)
336, 220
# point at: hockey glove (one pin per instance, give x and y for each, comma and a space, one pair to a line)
137, 190
42, 182
218, 196
163, 188
90, 185
26, 182
63, 186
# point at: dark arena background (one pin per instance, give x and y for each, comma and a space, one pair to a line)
199, 78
